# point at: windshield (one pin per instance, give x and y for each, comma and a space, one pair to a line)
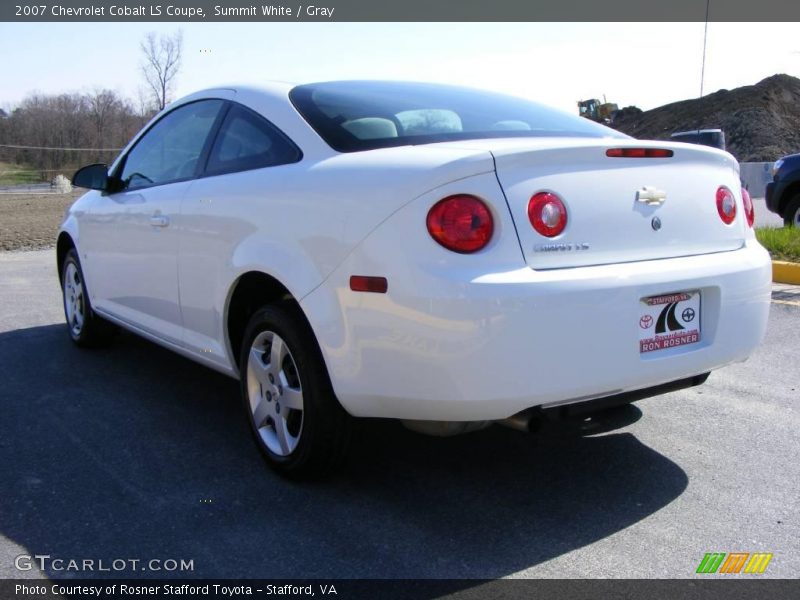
364, 115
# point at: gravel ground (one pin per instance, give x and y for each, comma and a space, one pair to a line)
30, 221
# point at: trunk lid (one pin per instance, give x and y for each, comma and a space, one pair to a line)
608, 220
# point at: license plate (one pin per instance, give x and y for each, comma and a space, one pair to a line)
669, 321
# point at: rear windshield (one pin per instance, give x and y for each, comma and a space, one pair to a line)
364, 115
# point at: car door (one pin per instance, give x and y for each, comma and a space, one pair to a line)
132, 236
243, 192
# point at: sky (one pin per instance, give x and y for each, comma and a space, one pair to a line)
641, 64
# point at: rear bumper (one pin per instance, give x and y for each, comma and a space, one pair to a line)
587, 407
456, 346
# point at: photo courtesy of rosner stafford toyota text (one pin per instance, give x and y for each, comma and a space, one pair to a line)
386, 301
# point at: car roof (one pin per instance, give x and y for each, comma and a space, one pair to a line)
275, 89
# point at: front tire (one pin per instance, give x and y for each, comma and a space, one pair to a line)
791, 218
84, 326
297, 422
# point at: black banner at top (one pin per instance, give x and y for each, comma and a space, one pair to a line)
397, 10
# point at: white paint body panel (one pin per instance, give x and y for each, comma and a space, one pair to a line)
133, 265
457, 337
601, 198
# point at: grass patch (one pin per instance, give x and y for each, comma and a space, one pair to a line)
783, 243
11, 174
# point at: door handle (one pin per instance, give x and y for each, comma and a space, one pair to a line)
159, 221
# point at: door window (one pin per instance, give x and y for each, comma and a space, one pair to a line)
171, 149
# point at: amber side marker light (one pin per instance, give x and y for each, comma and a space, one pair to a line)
639, 153
365, 283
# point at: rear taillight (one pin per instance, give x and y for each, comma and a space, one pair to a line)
547, 214
749, 209
461, 223
726, 205
639, 153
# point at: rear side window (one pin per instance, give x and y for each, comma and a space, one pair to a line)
248, 141
171, 149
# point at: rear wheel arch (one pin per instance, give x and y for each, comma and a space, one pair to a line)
250, 292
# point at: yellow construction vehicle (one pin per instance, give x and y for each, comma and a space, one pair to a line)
601, 112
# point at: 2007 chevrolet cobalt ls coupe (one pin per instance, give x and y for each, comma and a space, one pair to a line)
439, 255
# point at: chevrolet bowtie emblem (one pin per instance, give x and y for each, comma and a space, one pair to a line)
650, 195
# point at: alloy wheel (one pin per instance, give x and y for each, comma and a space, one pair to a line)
74, 299
275, 395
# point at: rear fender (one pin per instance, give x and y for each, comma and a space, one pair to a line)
362, 334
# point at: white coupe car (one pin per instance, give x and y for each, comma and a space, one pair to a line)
444, 256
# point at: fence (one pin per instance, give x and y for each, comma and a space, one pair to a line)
16, 180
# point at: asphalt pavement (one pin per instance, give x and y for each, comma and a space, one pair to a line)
133, 453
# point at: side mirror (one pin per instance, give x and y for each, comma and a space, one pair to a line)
94, 177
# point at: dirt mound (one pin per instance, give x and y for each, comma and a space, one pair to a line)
761, 122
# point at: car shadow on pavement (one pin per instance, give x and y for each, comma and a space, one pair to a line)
132, 452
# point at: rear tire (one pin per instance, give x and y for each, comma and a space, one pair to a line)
791, 217
85, 328
297, 423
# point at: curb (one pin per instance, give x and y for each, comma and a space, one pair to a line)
785, 272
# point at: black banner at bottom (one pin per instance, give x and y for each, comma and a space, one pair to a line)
390, 589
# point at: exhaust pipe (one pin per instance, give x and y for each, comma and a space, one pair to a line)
527, 421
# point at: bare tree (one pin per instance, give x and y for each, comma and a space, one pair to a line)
144, 103
64, 131
162, 61
104, 107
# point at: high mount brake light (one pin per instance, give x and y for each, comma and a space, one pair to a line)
639, 153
